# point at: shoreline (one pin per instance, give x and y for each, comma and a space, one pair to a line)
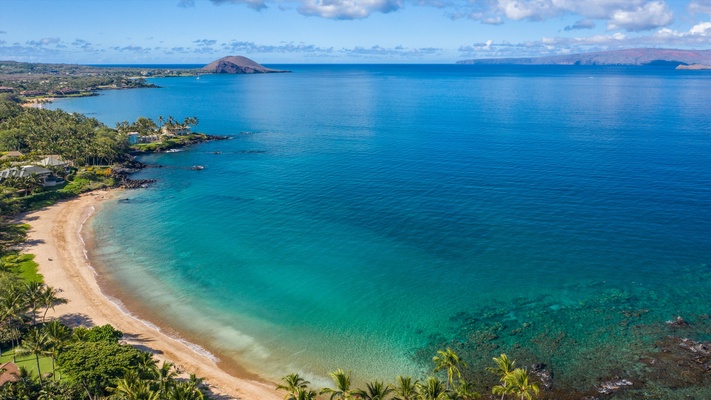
59, 248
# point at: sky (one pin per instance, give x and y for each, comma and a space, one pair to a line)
340, 31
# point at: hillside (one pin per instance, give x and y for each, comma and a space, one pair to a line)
670, 57
237, 65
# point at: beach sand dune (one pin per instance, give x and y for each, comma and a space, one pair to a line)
55, 240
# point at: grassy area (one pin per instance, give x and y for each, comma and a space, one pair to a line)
28, 362
24, 266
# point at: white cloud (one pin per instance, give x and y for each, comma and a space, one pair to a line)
702, 29
700, 6
492, 21
543, 9
650, 16
348, 9
631, 15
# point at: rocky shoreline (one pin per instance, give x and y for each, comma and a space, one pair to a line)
171, 146
122, 171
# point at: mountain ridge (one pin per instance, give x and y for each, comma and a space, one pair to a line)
640, 56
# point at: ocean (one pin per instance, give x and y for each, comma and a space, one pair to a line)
364, 216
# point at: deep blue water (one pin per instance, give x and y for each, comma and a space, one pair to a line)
358, 209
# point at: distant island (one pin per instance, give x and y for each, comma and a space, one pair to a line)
641, 57
237, 65
695, 67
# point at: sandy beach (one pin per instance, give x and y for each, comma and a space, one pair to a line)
55, 240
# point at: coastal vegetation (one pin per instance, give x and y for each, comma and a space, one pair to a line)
38, 80
74, 153
514, 384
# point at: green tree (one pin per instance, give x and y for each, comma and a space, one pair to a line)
35, 343
58, 336
432, 389
164, 376
504, 367
405, 388
48, 299
184, 391
33, 294
95, 365
104, 333
24, 388
519, 380
292, 384
12, 307
465, 391
343, 385
374, 391
132, 387
449, 360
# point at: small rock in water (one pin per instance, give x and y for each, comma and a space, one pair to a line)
613, 385
679, 321
539, 369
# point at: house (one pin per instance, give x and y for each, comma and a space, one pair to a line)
176, 129
11, 154
149, 138
133, 138
9, 372
27, 170
6, 89
54, 160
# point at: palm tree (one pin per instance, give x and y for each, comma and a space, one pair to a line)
303, 394
432, 389
146, 365
184, 391
33, 294
503, 389
375, 391
504, 367
165, 377
49, 299
450, 361
35, 343
405, 388
58, 335
12, 307
343, 385
465, 391
292, 384
132, 387
521, 387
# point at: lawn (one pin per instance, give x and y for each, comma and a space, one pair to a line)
28, 362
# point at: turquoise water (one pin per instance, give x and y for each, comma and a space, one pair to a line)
362, 216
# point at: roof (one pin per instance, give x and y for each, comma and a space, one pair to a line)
9, 373
11, 154
23, 171
53, 160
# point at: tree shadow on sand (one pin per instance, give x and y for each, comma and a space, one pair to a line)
76, 319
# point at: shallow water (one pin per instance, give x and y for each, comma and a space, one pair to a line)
362, 216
